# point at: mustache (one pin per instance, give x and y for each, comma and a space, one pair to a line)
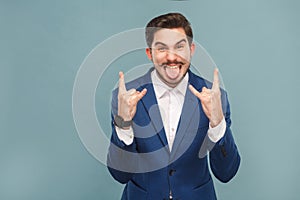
172, 63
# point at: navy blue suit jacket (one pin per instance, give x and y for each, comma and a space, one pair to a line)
150, 170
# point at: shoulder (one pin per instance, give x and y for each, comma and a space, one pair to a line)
198, 82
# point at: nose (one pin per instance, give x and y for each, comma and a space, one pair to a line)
171, 56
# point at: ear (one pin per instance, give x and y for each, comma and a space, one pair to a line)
149, 53
192, 48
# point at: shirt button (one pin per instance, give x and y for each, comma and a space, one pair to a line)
172, 129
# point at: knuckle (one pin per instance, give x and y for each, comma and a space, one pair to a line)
121, 97
129, 102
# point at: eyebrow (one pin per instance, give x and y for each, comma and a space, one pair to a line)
160, 43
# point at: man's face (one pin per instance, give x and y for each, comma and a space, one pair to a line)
171, 55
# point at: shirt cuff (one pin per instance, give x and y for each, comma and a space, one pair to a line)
125, 135
216, 133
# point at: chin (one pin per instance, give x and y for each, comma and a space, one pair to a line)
174, 82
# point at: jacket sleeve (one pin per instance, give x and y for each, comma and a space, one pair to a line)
224, 156
120, 156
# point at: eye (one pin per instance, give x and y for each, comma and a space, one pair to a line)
180, 46
162, 49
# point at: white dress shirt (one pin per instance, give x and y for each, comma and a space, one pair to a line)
170, 103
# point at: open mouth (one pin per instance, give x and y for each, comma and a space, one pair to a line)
172, 70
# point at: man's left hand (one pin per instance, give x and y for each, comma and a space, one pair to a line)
211, 100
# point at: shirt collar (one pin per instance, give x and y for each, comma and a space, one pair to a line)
161, 88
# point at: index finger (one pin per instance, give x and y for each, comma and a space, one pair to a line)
194, 91
122, 88
216, 82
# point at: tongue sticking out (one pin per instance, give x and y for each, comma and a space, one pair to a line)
172, 72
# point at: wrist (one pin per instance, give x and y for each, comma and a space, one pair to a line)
122, 123
214, 123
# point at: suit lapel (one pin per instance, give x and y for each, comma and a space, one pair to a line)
187, 116
190, 117
150, 103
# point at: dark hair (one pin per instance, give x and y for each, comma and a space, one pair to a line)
170, 20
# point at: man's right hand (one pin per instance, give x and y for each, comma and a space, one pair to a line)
127, 100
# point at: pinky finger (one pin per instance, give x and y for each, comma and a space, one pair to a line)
142, 93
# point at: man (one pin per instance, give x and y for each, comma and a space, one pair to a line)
164, 125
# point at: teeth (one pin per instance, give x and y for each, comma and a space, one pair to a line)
172, 67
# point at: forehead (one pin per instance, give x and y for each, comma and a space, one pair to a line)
169, 36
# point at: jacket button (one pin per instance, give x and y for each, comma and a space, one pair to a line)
171, 172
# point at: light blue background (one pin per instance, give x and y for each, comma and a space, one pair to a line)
42, 44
